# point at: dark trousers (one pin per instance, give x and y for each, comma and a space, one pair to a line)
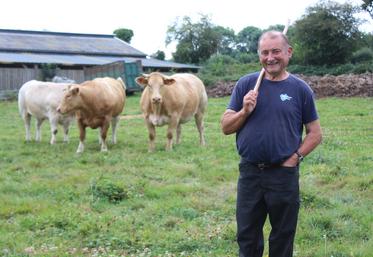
270, 191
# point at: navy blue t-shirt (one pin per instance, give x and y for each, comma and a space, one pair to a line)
273, 131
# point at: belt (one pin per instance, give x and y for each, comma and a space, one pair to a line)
263, 165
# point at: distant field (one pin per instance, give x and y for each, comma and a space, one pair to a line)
129, 202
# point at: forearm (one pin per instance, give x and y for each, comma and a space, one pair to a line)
232, 121
310, 142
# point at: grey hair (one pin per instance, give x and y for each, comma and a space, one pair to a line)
274, 34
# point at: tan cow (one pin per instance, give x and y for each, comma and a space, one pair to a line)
96, 103
172, 100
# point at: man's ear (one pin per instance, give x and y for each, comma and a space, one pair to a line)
290, 52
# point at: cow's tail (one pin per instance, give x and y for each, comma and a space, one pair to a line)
21, 102
122, 83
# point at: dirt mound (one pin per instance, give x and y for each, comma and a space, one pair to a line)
323, 86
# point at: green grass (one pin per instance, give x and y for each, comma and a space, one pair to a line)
129, 202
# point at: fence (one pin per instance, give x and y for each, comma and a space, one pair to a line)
11, 79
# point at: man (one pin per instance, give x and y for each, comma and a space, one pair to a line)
269, 126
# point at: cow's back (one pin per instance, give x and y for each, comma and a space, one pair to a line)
193, 84
105, 94
190, 91
39, 98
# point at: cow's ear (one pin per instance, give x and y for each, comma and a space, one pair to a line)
75, 91
142, 81
68, 87
168, 81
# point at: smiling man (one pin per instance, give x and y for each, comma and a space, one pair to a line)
269, 126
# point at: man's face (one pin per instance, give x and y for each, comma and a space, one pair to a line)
274, 55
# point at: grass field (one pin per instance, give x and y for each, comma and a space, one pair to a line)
129, 202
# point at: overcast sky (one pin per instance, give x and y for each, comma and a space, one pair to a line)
150, 19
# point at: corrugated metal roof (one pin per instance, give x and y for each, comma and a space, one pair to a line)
56, 42
154, 63
36, 47
74, 59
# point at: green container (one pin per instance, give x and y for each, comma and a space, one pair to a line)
128, 71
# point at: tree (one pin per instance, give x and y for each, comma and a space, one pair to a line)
196, 42
48, 71
368, 6
227, 40
160, 55
124, 34
247, 39
277, 27
327, 34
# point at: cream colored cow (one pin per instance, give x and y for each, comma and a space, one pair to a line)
41, 99
96, 103
172, 100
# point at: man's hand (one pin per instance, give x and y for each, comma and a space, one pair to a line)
249, 101
291, 162
232, 120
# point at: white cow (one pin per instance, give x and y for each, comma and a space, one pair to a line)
41, 99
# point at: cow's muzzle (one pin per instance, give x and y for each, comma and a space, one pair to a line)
156, 100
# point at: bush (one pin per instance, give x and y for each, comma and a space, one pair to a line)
363, 68
217, 64
309, 70
10, 95
347, 68
225, 68
362, 55
48, 71
105, 189
342, 69
247, 58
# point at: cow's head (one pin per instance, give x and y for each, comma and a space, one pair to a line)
71, 100
156, 83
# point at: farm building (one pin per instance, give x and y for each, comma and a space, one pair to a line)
27, 55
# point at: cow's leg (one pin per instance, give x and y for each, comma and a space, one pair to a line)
151, 130
178, 133
103, 134
200, 126
114, 126
54, 129
27, 119
99, 135
66, 125
81, 137
170, 131
38, 129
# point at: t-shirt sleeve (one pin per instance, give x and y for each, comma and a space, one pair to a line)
235, 102
309, 113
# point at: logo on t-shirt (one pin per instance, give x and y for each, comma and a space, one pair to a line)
285, 97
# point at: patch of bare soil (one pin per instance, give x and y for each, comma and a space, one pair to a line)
323, 86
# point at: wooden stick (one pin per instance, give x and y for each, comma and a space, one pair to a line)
261, 74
